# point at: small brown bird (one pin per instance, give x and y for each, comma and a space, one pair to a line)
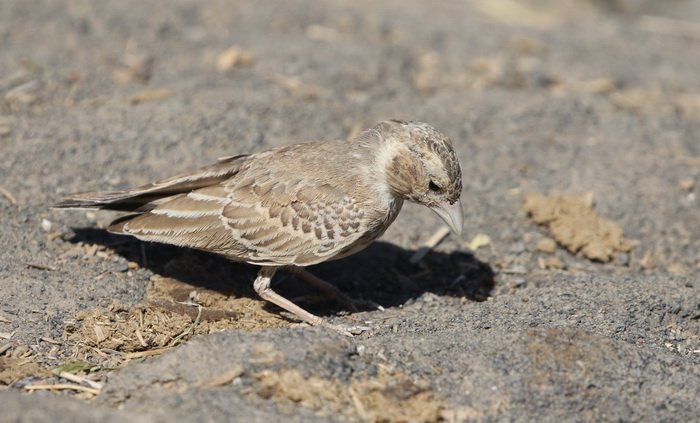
297, 205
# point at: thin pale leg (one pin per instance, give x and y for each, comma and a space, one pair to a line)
330, 289
262, 287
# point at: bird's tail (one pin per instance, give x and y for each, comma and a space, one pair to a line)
146, 197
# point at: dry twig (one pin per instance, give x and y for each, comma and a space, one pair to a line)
147, 353
40, 266
431, 243
189, 330
7, 194
61, 387
80, 379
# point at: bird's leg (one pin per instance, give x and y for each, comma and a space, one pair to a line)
330, 289
262, 287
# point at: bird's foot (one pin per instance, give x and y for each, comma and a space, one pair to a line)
262, 287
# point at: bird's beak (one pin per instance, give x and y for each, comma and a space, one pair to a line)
451, 214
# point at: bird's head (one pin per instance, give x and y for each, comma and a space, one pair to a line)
421, 166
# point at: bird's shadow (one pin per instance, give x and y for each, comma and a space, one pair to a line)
383, 273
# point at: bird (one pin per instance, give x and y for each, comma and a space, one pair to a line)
296, 205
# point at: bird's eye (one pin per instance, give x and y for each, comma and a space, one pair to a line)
434, 187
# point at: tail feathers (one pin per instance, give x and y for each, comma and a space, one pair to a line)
117, 226
144, 198
117, 200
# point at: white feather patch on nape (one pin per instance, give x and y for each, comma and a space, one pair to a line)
383, 157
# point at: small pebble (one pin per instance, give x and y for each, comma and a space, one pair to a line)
551, 263
5, 126
46, 225
546, 245
429, 297
480, 240
622, 259
517, 269
516, 248
233, 58
121, 266
686, 184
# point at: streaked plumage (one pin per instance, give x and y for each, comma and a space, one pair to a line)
296, 205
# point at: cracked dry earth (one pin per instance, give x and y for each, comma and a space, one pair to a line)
574, 295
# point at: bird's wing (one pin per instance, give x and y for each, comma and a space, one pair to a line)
268, 215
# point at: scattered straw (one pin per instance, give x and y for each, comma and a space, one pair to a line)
357, 403
386, 397
4, 348
149, 95
99, 333
79, 379
140, 338
40, 266
61, 387
189, 330
147, 353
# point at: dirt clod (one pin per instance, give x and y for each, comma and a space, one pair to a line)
553, 263
135, 66
231, 311
13, 369
116, 329
574, 224
686, 184
232, 58
390, 397
546, 245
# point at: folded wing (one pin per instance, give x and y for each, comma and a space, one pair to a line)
260, 215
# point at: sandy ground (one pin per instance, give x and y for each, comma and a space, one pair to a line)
578, 308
